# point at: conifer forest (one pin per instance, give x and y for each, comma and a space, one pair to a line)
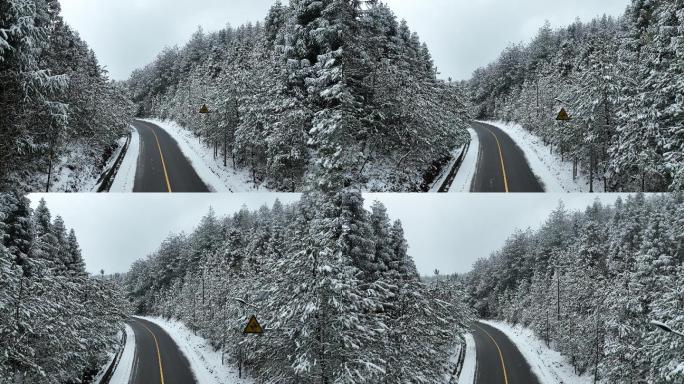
341, 192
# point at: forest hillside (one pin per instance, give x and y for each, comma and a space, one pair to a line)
335, 87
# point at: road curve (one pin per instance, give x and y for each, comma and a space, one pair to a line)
157, 357
501, 166
498, 360
162, 167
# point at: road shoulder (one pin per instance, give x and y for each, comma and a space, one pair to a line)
548, 365
205, 362
124, 180
554, 173
124, 367
210, 169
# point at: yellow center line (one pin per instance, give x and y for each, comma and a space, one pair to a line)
503, 167
161, 155
161, 370
503, 365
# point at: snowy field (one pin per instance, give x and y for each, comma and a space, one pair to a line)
548, 365
470, 362
211, 170
553, 172
122, 373
125, 177
205, 362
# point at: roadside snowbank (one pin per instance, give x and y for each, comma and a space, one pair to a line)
204, 361
553, 172
122, 373
212, 172
464, 177
125, 177
548, 365
470, 362
447, 169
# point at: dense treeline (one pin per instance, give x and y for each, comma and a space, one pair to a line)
333, 86
589, 283
58, 110
331, 281
622, 82
57, 324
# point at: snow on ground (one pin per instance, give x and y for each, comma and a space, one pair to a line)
464, 177
125, 177
452, 365
205, 362
470, 362
75, 171
447, 169
211, 170
122, 373
548, 365
553, 172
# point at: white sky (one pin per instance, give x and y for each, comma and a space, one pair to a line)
462, 34
445, 232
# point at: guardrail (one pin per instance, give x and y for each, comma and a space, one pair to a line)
460, 361
115, 362
108, 177
454, 170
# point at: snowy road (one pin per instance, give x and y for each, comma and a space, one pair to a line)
157, 357
498, 360
502, 166
162, 167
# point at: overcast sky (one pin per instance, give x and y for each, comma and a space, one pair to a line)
445, 232
462, 34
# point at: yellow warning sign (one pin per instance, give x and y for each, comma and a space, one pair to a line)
253, 326
204, 109
563, 115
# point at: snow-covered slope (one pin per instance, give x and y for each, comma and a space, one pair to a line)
549, 167
549, 366
204, 361
209, 169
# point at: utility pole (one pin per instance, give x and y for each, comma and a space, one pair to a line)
242, 316
547, 327
597, 348
204, 271
223, 343
558, 293
591, 166
21, 291
52, 154
225, 134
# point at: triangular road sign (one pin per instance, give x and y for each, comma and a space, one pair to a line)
563, 115
204, 109
253, 326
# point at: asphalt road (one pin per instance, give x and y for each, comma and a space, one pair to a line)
162, 167
502, 166
157, 357
498, 359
